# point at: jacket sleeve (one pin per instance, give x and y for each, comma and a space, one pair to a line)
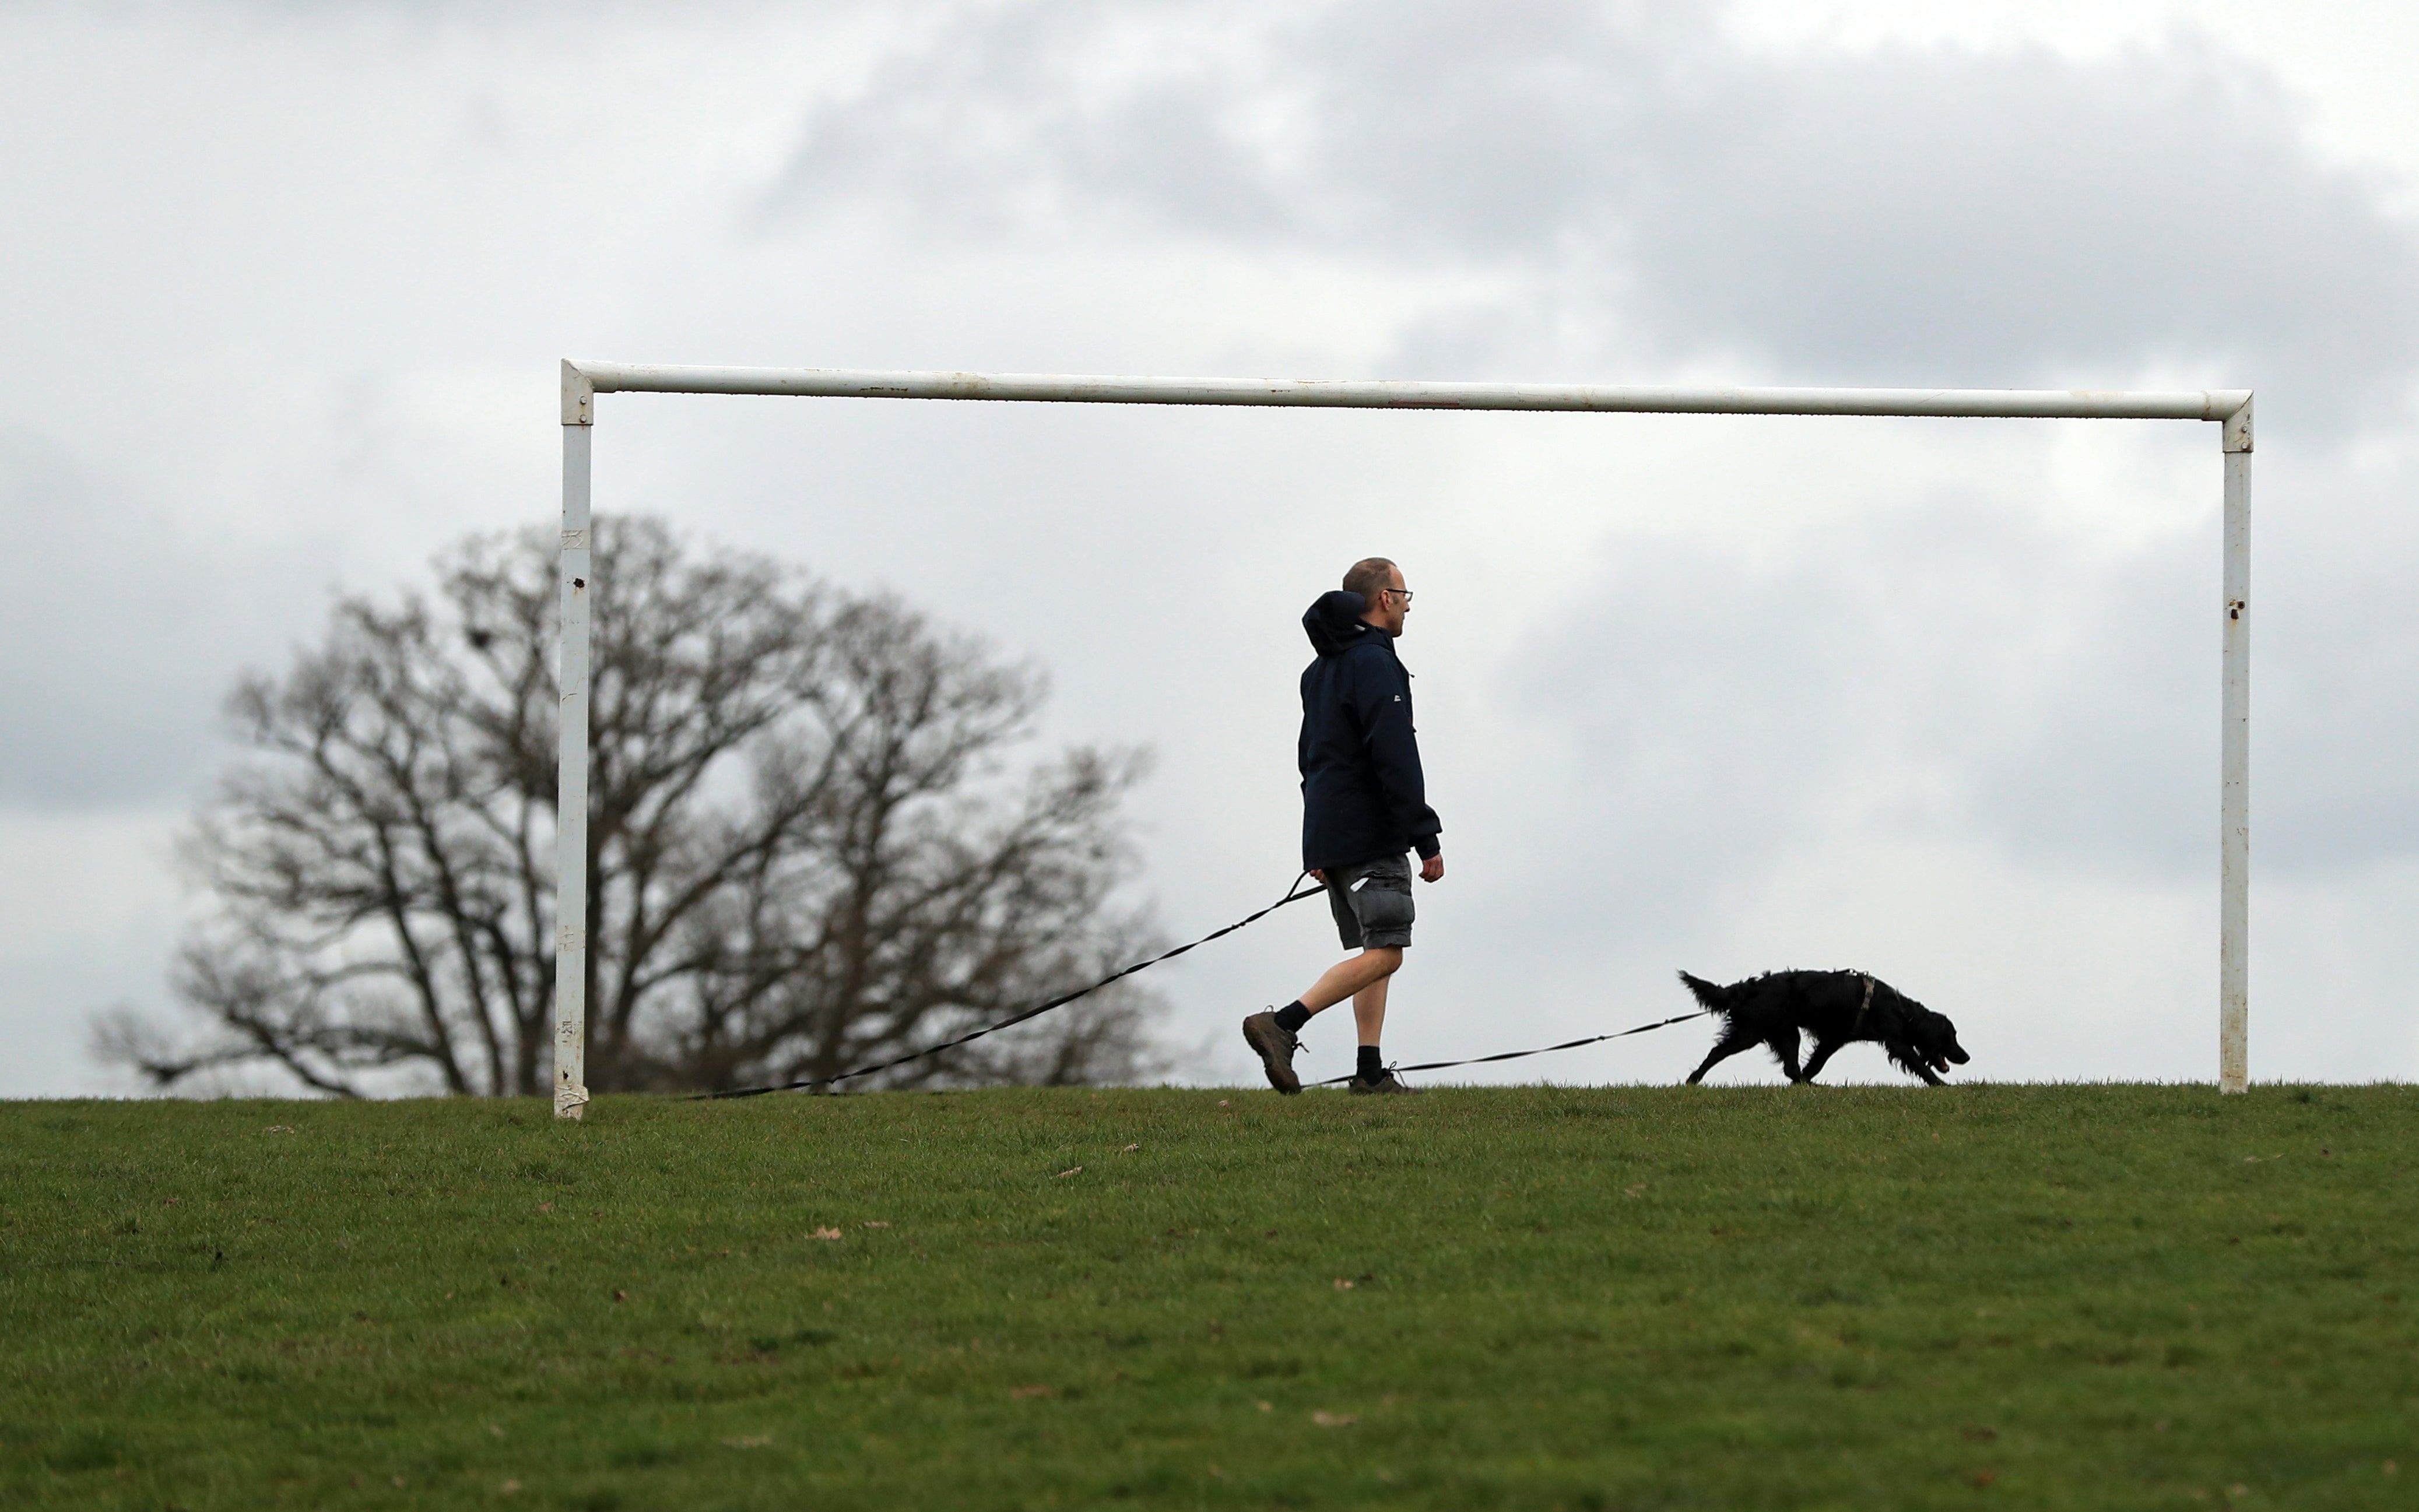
1381, 696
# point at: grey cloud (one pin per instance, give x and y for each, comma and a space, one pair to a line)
1952, 668
1935, 217
1964, 219
123, 629
101, 704
1941, 670
2335, 713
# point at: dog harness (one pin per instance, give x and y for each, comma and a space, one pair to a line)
1863, 1007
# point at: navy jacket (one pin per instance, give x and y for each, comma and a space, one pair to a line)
1362, 796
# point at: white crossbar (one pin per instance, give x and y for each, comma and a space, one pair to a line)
582, 379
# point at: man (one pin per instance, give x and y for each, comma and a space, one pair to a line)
1364, 805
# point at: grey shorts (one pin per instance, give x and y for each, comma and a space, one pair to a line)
1372, 903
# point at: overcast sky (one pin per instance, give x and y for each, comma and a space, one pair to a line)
286, 285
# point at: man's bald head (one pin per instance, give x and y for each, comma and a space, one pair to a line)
1380, 583
1367, 575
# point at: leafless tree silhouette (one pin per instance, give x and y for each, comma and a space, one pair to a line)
809, 848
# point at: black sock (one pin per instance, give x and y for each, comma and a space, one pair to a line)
1292, 1016
1371, 1068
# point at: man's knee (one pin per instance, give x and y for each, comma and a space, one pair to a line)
1387, 960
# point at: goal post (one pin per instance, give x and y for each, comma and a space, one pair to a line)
2229, 409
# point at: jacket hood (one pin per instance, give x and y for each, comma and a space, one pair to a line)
1333, 622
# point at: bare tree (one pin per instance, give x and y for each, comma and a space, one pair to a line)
807, 848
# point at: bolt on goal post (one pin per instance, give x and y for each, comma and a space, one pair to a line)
2229, 409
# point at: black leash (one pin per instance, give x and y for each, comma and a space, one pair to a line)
1517, 1055
1064, 999
1014, 1019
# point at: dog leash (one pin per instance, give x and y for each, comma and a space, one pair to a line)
1518, 1055
1863, 1009
1064, 999
1015, 1018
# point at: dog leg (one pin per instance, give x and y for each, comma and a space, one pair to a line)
1785, 1050
1905, 1056
1722, 1051
1824, 1050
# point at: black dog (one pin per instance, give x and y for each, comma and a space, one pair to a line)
1838, 1008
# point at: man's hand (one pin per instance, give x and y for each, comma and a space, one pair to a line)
1318, 877
1432, 869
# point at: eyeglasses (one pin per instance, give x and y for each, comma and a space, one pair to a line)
1403, 594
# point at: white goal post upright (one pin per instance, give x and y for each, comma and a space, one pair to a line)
582, 381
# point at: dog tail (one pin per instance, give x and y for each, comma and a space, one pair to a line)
1712, 998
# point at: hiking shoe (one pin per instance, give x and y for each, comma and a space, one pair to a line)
1265, 1035
1385, 1085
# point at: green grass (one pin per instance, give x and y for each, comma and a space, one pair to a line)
2046, 1296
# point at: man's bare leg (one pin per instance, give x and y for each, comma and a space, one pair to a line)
1369, 1010
1353, 976
1361, 978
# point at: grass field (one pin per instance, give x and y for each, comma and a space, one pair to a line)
2046, 1296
